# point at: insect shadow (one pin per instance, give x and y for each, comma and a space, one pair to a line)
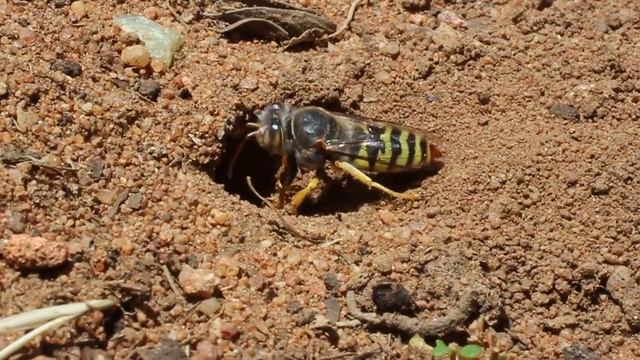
338, 194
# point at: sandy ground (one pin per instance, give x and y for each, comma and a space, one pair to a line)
535, 212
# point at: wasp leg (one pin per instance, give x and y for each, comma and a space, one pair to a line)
285, 175
302, 194
363, 178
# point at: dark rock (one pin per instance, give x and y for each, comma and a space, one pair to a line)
168, 349
67, 67
416, 5
392, 297
331, 281
484, 98
333, 309
184, 94
565, 111
149, 89
600, 187
304, 317
579, 352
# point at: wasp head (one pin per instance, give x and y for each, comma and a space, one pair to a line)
271, 125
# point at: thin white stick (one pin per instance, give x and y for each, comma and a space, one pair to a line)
22, 341
33, 318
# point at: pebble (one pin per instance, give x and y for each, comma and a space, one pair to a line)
106, 196
600, 187
392, 297
304, 317
447, 37
15, 223
79, 9
228, 331
26, 36
149, 89
391, 49
205, 350
571, 178
624, 290
4, 90
25, 252
210, 307
134, 201
579, 352
483, 98
387, 217
135, 55
220, 218
416, 5
67, 67
197, 283
565, 111
333, 309
331, 281
432, 211
383, 77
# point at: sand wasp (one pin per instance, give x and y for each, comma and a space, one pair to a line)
309, 137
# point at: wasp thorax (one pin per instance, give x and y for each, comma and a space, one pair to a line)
271, 122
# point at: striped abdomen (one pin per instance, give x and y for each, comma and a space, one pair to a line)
391, 148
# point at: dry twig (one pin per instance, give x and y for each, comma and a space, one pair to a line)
44, 320
466, 307
347, 21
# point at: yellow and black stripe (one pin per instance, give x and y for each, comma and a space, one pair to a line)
389, 148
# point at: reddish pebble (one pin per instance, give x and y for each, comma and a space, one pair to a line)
27, 252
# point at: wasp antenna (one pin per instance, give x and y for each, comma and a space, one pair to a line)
232, 164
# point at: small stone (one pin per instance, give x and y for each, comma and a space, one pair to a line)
210, 307
387, 217
600, 187
134, 201
79, 9
205, 350
624, 290
135, 55
571, 178
391, 49
383, 77
432, 211
220, 218
4, 90
197, 283
149, 89
248, 83
416, 5
565, 111
484, 98
106, 196
579, 352
333, 309
447, 38
25, 252
392, 297
26, 36
331, 281
67, 67
304, 317
228, 331
15, 223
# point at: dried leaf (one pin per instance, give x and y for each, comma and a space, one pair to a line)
258, 27
274, 4
310, 35
294, 22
